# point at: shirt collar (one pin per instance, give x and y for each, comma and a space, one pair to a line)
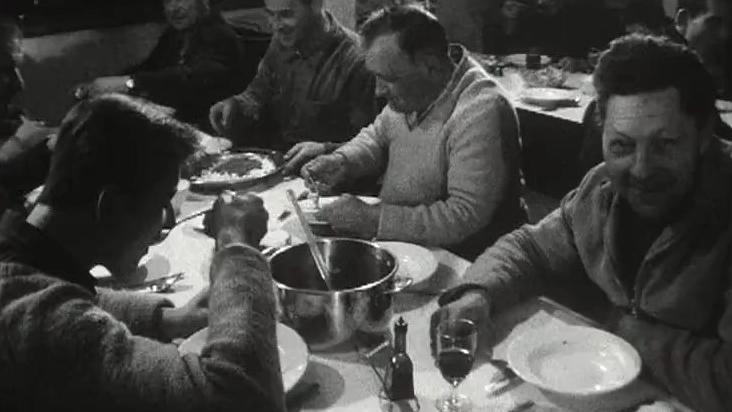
459, 56
28, 245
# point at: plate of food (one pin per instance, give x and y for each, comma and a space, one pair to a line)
549, 97
574, 361
293, 352
238, 170
519, 60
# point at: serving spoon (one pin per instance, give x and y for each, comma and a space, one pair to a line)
312, 243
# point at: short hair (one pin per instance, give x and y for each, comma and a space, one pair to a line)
115, 140
641, 63
418, 30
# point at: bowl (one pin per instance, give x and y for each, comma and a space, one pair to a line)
574, 366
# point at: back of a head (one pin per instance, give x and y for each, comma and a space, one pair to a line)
418, 30
114, 140
637, 64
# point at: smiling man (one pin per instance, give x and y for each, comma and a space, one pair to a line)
651, 227
311, 86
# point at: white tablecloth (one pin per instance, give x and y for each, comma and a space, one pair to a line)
347, 382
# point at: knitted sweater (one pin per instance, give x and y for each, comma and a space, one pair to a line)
64, 348
453, 174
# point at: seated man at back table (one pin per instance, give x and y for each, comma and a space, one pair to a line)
24, 152
196, 62
651, 227
64, 345
311, 85
448, 143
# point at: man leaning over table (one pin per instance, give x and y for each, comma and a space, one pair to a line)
311, 85
447, 143
651, 226
64, 345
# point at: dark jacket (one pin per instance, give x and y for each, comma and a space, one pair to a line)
192, 77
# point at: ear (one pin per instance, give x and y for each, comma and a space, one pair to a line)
681, 21
428, 63
111, 205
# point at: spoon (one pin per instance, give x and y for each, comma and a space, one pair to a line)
312, 243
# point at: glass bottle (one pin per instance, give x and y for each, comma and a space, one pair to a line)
399, 379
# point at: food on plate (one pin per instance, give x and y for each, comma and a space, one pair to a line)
546, 77
239, 166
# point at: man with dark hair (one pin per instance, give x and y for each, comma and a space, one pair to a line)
196, 62
651, 227
447, 143
707, 27
311, 86
65, 345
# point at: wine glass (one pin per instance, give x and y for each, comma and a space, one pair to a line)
456, 343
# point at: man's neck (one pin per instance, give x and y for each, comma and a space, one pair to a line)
67, 229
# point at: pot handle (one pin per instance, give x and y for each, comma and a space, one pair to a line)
400, 283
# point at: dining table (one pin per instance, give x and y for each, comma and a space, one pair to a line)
349, 377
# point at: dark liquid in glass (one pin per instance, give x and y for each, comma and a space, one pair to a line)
455, 364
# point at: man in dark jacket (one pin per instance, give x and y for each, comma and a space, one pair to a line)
195, 63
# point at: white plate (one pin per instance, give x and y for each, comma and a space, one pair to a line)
308, 205
574, 360
549, 96
415, 261
724, 106
520, 59
293, 352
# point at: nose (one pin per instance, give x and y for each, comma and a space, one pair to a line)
382, 88
642, 163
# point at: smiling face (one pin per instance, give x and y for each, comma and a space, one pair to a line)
291, 20
182, 14
405, 83
652, 151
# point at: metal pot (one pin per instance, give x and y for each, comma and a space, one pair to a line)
363, 279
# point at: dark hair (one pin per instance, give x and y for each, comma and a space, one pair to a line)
115, 140
418, 30
649, 14
639, 64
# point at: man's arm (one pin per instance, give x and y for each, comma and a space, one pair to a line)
696, 370
141, 313
367, 153
480, 167
515, 267
113, 370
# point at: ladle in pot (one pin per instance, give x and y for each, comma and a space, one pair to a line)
317, 256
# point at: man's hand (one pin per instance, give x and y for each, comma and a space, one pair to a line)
473, 306
101, 85
350, 215
222, 114
236, 218
185, 320
301, 153
326, 172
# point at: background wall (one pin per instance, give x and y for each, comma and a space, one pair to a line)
56, 63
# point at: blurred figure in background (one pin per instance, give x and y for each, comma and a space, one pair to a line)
24, 151
514, 31
195, 63
311, 85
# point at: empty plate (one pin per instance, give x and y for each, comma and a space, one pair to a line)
293, 352
574, 360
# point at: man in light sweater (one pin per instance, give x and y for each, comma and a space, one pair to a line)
447, 144
66, 346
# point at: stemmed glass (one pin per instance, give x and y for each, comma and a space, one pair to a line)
456, 343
